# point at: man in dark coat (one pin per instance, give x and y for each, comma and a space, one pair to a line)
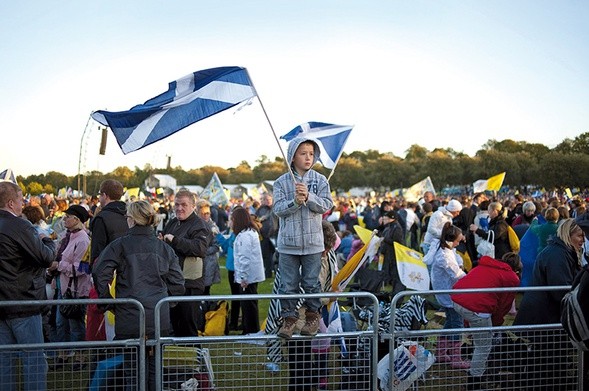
24, 257
190, 238
110, 223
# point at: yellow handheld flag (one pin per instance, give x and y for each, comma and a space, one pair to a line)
513, 239
412, 271
345, 275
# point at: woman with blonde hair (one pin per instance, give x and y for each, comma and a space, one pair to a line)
500, 228
147, 270
556, 265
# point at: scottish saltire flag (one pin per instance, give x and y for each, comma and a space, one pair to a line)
188, 100
214, 191
7, 176
412, 271
415, 192
494, 183
331, 139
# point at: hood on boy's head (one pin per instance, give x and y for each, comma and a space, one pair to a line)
294, 144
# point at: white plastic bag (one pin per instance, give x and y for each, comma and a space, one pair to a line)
486, 246
410, 361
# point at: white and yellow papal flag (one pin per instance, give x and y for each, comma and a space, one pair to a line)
412, 271
494, 183
415, 192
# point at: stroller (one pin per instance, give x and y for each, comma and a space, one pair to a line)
368, 280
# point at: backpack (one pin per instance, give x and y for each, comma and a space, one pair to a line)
213, 318
574, 311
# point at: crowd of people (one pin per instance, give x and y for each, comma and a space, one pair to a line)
170, 246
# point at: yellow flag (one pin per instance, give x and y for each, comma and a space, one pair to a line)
495, 182
412, 271
133, 192
363, 233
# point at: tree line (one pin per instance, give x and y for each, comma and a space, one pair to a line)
566, 165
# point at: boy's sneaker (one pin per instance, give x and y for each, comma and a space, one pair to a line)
287, 327
311, 326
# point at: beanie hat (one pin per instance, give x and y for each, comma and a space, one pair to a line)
454, 206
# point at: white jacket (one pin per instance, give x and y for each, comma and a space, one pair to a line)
436, 224
445, 271
247, 255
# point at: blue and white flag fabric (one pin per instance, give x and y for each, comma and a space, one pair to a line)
188, 100
8, 176
331, 139
214, 192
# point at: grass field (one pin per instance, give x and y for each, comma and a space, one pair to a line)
222, 288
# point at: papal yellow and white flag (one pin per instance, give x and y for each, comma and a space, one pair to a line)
412, 271
364, 255
415, 192
494, 183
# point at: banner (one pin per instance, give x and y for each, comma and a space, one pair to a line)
494, 183
412, 271
415, 192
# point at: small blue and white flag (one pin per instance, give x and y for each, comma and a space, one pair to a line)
7, 176
188, 100
214, 192
331, 139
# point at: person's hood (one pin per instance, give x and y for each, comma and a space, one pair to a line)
294, 144
117, 207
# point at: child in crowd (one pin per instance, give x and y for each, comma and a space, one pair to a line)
301, 196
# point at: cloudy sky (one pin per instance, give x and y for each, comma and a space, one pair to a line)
448, 74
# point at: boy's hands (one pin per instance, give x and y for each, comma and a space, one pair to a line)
301, 193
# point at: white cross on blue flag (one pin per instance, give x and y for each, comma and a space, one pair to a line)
331, 139
7, 176
188, 100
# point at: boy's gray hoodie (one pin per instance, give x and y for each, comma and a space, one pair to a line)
300, 231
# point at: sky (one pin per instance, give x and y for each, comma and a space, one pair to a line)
440, 74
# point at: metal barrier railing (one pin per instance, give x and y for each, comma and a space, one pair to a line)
91, 372
524, 358
520, 357
241, 362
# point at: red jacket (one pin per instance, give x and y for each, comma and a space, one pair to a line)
490, 273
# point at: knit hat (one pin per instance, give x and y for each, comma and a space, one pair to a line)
454, 206
79, 211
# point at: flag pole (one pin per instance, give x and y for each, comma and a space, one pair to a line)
272, 128
83, 152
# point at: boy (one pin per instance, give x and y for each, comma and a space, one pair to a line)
299, 205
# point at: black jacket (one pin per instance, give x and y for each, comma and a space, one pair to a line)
109, 224
556, 265
23, 260
192, 238
499, 227
147, 270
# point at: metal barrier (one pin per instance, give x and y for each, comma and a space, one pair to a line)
238, 362
522, 357
86, 365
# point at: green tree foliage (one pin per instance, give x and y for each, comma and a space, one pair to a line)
525, 164
34, 188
